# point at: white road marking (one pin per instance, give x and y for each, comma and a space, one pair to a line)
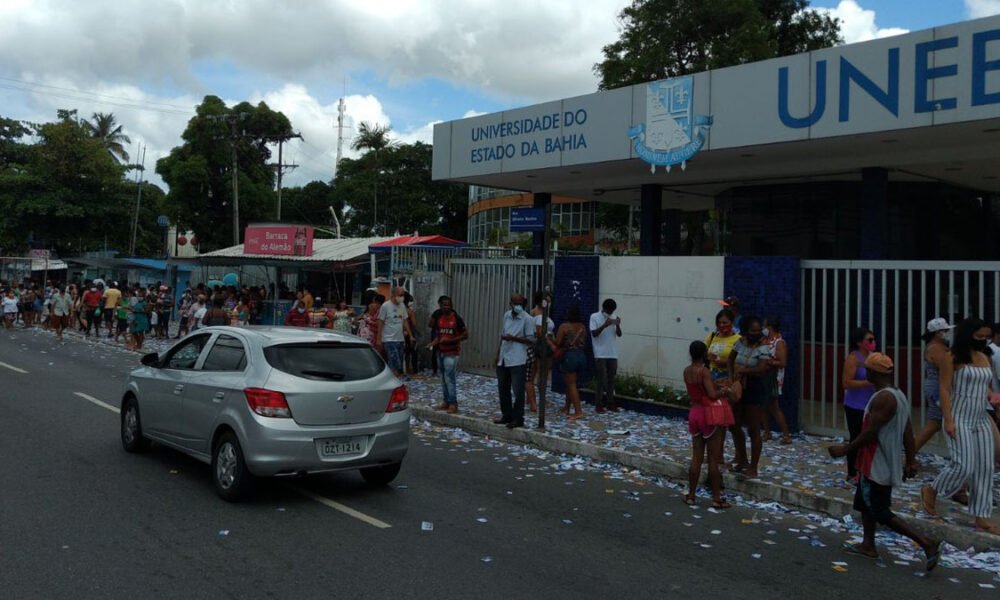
89, 398
347, 510
13, 368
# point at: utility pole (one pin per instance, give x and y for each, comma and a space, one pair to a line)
138, 202
233, 119
280, 166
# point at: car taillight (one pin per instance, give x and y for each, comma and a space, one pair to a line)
267, 403
399, 400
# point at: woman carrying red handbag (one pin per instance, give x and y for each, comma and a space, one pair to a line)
707, 421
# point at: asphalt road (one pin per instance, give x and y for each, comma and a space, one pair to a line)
80, 518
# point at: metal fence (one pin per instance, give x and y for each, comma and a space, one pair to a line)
893, 299
481, 290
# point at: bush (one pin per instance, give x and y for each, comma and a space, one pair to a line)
637, 386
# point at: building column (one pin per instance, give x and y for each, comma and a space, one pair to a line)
539, 200
650, 219
874, 214
672, 232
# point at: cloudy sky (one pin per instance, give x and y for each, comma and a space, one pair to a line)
403, 63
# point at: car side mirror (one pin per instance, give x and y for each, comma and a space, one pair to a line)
151, 360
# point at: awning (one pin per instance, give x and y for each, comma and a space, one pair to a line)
326, 253
424, 241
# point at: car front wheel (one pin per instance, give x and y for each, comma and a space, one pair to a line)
233, 481
381, 475
132, 438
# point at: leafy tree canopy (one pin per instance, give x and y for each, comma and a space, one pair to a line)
669, 38
407, 199
199, 172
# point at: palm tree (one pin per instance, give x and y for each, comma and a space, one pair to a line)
373, 138
104, 127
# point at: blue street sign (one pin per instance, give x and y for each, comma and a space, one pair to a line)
162, 220
527, 219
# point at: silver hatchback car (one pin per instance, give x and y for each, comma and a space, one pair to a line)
270, 401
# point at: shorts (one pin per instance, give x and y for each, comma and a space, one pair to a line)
934, 409
756, 392
573, 362
108, 314
163, 318
698, 422
874, 499
394, 355
58, 320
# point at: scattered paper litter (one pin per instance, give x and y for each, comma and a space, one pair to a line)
427, 526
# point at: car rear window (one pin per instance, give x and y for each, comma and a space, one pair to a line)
326, 361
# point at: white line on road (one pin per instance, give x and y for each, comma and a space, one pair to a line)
97, 402
347, 510
12, 368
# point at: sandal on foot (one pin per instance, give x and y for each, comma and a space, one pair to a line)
960, 498
786, 439
689, 500
933, 556
856, 550
721, 504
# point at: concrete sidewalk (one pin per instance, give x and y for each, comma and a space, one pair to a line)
800, 474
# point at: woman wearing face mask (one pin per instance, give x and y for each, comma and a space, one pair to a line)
749, 363
857, 389
720, 346
968, 377
937, 354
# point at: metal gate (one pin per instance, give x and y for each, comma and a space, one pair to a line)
893, 299
481, 290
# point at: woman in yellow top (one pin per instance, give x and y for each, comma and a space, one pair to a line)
720, 345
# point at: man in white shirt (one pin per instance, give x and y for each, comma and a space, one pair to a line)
393, 328
605, 331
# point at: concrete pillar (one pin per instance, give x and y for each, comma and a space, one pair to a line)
540, 200
671, 228
650, 219
874, 213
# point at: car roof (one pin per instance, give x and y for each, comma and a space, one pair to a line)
270, 334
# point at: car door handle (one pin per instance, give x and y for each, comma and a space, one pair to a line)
218, 397
178, 389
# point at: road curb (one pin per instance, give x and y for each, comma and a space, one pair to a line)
806, 499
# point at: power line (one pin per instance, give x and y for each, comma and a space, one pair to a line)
83, 98
78, 91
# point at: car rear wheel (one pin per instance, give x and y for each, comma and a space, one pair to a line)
233, 482
132, 438
381, 475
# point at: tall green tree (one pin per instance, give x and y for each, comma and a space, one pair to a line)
105, 127
372, 136
65, 192
199, 172
408, 200
669, 38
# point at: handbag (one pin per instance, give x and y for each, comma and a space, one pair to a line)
559, 352
719, 414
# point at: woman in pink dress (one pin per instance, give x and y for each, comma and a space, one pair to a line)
704, 437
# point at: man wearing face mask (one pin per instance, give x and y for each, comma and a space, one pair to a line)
393, 327
298, 316
512, 356
605, 331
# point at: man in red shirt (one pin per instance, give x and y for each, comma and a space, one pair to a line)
450, 331
91, 302
298, 316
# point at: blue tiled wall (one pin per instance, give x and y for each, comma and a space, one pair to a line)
576, 282
770, 286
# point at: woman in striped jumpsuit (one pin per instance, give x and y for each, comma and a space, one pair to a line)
970, 436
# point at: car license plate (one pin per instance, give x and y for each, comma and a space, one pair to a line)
342, 446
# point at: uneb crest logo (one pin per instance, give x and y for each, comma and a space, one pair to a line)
672, 134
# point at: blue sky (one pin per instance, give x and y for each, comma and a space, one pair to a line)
405, 63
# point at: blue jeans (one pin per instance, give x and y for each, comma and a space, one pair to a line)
394, 355
507, 378
448, 365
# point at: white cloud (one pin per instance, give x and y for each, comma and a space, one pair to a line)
858, 24
982, 8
